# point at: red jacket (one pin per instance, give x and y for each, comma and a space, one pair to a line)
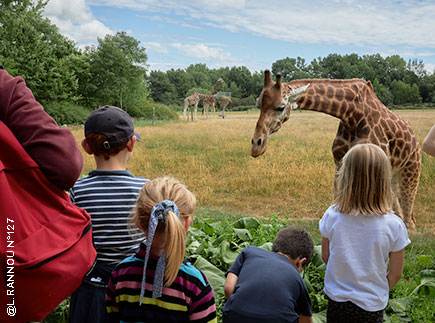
54, 149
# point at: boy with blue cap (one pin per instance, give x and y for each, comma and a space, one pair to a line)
108, 194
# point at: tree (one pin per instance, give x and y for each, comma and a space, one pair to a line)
182, 82
404, 93
30, 46
427, 88
162, 90
200, 74
290, 68
117, 68
241, 77
417, 67
382, 92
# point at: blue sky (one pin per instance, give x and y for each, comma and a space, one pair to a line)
253, 33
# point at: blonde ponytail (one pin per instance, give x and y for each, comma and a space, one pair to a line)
175, 247
163, 207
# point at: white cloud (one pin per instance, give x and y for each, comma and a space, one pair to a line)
430, 68
76, 21
202, 51
155, 47
158, 66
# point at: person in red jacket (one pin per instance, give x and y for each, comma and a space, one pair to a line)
54, 149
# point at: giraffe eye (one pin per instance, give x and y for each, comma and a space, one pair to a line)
280, 108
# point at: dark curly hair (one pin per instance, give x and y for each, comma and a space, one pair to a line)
294, 242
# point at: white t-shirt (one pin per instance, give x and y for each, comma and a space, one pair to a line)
359, 248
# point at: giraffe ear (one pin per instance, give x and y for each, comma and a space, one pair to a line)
267, 79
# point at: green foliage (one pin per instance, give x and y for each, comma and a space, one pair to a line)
116, 71
383, 93
162, 112
404, 93
291, 68
60, 313
65, 112
243, 108
30, 46
162, 90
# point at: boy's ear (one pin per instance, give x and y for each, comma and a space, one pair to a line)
131, 143
86, 147
302, 262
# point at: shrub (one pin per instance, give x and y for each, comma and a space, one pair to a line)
66, 112
162, 112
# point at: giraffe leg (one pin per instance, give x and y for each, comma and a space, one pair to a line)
196, 109
184, 113
395, 186
409, 178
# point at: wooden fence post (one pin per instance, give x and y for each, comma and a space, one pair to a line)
154, 115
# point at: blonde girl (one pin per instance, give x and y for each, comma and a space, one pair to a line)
360, 237
157, 284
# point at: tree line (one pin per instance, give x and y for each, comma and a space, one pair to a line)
395, 81
71, 81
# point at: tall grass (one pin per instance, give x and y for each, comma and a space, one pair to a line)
294, 177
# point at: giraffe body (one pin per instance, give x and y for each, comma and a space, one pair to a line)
191, 100
210, 99
363, 119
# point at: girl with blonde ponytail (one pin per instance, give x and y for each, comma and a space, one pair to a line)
157, 284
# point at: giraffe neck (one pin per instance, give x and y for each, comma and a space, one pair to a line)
216, 88
338, 98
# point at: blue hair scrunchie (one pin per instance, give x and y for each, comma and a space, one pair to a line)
158, 214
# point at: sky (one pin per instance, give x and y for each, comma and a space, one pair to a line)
253, 33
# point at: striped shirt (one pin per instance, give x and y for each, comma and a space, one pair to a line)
188, 299
109, 197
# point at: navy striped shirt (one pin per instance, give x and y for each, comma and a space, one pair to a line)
109, 197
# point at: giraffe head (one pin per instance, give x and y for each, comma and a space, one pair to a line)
275, 103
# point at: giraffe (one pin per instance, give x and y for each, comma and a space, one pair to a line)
363, 118
191, 100
210, 99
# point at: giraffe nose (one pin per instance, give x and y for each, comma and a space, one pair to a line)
258, 142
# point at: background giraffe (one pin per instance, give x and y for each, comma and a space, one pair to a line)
363, 119
191, 100
210, 99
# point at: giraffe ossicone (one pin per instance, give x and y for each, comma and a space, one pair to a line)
291, 97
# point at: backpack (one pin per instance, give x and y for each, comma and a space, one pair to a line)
46, 241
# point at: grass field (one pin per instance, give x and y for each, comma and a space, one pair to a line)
293, 178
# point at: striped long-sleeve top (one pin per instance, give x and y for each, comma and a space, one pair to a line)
109, 197
189, 298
